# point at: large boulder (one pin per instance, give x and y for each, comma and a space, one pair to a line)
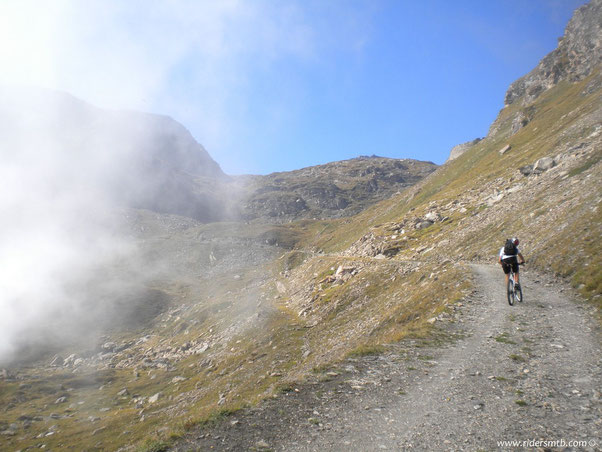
543, 164
526, 170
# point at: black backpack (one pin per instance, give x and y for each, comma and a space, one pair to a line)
509, 248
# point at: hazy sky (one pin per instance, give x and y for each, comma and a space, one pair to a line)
270, 85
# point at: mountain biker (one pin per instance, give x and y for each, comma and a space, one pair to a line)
509, 258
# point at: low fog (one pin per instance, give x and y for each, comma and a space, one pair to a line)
69, 172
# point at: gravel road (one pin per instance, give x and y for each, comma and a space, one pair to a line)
529, 374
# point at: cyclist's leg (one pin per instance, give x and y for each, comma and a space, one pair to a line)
515, 269
506, 269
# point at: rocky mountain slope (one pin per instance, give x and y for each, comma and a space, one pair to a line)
333, 190
250, 310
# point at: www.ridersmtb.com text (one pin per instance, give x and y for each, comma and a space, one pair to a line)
548, 443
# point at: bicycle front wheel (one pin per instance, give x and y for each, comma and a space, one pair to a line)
511, 292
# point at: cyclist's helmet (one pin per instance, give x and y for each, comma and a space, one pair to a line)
515, 241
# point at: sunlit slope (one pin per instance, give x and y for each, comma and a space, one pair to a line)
480, 198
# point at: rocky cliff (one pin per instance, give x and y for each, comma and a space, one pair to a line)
578, 53
577, 57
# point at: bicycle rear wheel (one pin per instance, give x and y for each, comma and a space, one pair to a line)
518, 293
511, 291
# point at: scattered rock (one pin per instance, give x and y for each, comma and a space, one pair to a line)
262, 444
98, 430
154, 398
543, 164
505, 149
344, 273
495, 199
432, 216
526, 170
201, 348
519, 121
109, 346
423, 224
281, 288
70, 360
57, 361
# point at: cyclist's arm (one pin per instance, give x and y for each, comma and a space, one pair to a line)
522, 259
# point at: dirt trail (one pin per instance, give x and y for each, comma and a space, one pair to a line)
528, 372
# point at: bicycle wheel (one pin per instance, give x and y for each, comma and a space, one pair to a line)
510, 291
518, 293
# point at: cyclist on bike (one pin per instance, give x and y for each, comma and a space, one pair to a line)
509, 259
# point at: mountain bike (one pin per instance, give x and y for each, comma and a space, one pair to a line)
514, 293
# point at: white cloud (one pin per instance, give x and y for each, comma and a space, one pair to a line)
194, 60
128, 54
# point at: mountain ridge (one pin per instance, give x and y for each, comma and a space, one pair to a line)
150, 161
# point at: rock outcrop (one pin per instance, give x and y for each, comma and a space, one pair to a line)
460, 149
579, 51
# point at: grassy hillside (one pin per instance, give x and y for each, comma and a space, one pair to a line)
556, 213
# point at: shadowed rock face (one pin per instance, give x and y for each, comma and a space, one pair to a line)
126, 158
578, 53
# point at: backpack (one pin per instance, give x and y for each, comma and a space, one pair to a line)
509, 248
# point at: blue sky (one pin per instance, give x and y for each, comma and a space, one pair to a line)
271, 85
